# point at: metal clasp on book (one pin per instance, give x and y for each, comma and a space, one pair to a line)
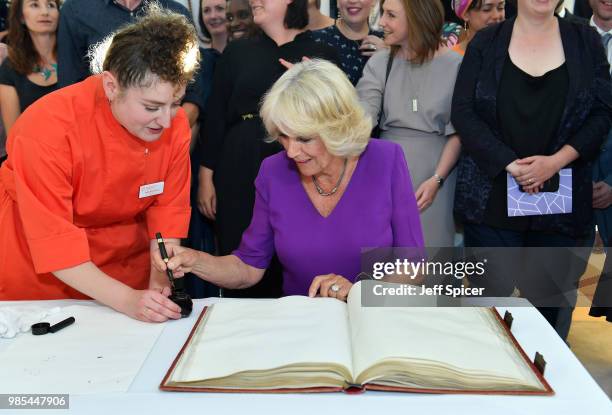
539, 363
508, 319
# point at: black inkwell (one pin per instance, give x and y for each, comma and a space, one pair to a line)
44, 327
179, 296
183, 300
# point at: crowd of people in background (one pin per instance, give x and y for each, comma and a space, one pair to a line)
473, 93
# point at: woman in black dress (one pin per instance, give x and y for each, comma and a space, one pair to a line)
233, 136
30, 71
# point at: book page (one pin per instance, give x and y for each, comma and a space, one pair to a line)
442, 347
259, 335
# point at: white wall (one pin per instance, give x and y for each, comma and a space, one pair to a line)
325, 7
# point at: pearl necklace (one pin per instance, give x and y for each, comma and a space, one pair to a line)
336, 187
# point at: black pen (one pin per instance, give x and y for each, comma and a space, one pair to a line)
164, 255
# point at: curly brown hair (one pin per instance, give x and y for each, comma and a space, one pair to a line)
161, 43
22, 54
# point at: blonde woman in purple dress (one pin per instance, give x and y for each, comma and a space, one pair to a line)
328, 195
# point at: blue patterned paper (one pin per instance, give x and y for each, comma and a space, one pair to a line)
543, 203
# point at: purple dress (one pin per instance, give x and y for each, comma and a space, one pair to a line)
377, 209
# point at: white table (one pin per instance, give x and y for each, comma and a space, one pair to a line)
575, 390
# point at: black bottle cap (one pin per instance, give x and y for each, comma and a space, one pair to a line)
40, 328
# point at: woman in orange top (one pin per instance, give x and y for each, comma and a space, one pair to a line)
95, 170
477, 14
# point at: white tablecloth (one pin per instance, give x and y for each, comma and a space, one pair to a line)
575, 390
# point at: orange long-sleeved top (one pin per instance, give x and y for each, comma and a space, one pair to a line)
70, 193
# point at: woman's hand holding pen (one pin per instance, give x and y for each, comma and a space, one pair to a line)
182, 260
159, 278
227, 271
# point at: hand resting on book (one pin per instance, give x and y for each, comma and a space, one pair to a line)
330, 285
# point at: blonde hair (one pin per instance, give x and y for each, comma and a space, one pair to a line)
315, 98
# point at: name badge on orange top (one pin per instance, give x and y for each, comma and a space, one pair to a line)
148, 190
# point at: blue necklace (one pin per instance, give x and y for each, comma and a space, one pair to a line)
46, 72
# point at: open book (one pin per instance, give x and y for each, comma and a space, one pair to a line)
301, 344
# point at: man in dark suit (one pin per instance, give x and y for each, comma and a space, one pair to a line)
583, 9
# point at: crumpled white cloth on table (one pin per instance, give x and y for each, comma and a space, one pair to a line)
19, 319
